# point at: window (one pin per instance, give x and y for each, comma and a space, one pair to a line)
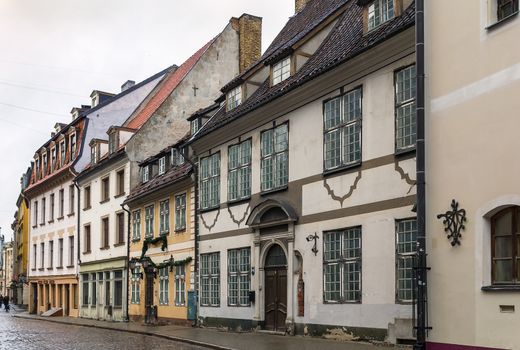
93, 299
118, 288
234, 98
136, 286
148, 221
107, 288
281, 70
239, 278
210, 279
85, 288
60, 252
105, 231
44, 162
51, 211
239, 171
120, 218
210, 181
35, 213
53, 159
86, 195
72, 145
379, 12
342, 266
43, 210
94, 154
163, 285
62, 202
136, 221
176, 157
120, 182
51, 253
405, 125
113, 142
406, 250
71, 199
505, 246
145, 173
162, 165
506, 8
62, 153
275, 158
37, 166
180, 212
342, 130
105, 189
34, 257
180, 285
195, 125
42, 254
86, 230
71, 251
164, 217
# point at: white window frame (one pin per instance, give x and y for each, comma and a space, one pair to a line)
405, 111
136, 224
281, 70
63, 153
180, 212
136, 286
239, 276
210, 181
145, 171
210, 279
164, 278
72, 145
405, 251
164, 217
162, 165
180, 285
274, 164
234, 98
239, 171
148, 220
379, 12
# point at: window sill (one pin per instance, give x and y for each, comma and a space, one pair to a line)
86, 252
238, 201
41, 269
59, 267
119, 244
60, 218
501, 288
50, 221
42, 223
71, 214
342, 302
34, 226
87, 208
105, 248
135, 240
502, 21
404, 151
206, 210
119, 195
33, 269
50, 268
70, 266
340, 169
165, 233
180, 230
274, 190
104, 201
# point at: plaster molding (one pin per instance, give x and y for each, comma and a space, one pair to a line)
341, 199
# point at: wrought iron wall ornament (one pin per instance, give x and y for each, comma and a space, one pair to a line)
314, 238
453, 221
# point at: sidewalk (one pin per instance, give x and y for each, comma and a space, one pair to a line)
212, 338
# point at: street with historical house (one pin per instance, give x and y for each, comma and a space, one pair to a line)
349, 186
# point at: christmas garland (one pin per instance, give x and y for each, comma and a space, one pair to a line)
153, 241
170, 263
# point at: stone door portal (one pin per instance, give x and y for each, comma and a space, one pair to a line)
275, 289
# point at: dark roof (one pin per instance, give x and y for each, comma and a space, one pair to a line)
172, 176
299, 25
345, 41
166, 150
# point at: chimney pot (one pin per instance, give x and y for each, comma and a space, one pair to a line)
127, 85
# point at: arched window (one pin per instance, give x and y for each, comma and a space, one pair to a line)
275, 257
505, 246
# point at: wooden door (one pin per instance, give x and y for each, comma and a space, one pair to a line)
148, 298
275, 289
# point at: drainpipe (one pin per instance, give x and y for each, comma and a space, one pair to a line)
421, 268
127, 318
78, 231
195, 228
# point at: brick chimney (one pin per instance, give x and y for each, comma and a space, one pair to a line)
299, 5
250, 39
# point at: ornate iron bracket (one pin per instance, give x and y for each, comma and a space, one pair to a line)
453, 221
314, 238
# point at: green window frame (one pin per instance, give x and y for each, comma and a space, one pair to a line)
210, 181
239, 171
405, 110
239, 276
210, 279
274, 165
406, 251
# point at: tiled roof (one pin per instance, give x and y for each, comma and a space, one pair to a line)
299, 25
345, 41
173, 175
165, 88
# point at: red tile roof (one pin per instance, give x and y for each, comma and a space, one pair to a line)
165, 88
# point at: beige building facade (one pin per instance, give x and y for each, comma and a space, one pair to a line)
472, 89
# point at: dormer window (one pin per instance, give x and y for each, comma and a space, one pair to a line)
95, 100
53, 158
113, 142
195, 125
379, 12
94, 153
37, 161
44, 161
177, 158
281, 70
62, 152
145, 173
162, 165
72, 145
234, 98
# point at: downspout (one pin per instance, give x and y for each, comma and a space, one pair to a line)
78, 230
195, 228
421, 268
127, 260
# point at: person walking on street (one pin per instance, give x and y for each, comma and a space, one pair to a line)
6, 303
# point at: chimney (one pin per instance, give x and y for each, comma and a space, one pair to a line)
250, 40
127, 85
299, 5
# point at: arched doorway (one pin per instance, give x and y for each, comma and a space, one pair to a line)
275, 268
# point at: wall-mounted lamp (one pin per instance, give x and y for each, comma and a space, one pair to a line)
314, 238
252, 270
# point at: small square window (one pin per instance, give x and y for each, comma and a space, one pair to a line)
234, 98
379, 12
281, 70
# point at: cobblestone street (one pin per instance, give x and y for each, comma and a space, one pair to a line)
23, 334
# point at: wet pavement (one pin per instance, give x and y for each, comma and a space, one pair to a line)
25, 334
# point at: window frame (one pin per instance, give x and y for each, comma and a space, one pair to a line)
238, 168
87, 238
164, 285
342, 262
397, 105
238, 274
136, 225
210, 181
105, 189
382, 19
273, 156
120, 183
149, 220
515, 9
145, 174
180, 285
164, 216
515, 250
232, 101
284, 75
105, 232
406, 255
120, 230
162, 165
180, 212
135, 285
213, 279
87, 197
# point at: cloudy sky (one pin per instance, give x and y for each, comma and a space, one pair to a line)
53, 53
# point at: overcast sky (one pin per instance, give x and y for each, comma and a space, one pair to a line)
53, 53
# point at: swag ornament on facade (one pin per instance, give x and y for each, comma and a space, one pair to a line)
453, 221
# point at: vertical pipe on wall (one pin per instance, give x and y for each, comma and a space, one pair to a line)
127, 261
421, 267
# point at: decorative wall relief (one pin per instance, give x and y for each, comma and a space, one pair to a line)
244, 216
209, 227
405, 176
341, 199
453, 221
